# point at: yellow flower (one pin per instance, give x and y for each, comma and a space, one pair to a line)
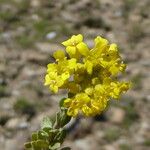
55, 81
76, 104
74, 40
75, 46
89, 75
58, 74
89, 66
105, 56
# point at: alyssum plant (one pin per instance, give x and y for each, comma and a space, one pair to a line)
90, 77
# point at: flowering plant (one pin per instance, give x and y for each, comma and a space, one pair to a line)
89, 76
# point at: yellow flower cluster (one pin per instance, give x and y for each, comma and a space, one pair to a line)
89, 75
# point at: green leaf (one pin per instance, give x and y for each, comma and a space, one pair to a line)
27, 145
34, 145
64, 119
46, 130
54, 131
46, 123
39, 145
42, 135
34, 136
42, 144
55, 146
61, 102
62, 136
57, 121
57, 135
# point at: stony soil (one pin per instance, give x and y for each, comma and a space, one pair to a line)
31, 30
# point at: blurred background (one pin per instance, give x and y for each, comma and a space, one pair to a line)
31, 30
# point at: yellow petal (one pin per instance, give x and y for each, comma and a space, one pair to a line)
122, 67
100, 43
86, 110
114, 69
47, 80
113, 47
54, 88
76, 39
83, 49
67, 102
65, 76
51, 68
89, 91
72, 112
71, 50
67, 43
72, 63
89, 66
59, 55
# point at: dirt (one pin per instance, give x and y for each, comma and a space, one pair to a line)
30, 31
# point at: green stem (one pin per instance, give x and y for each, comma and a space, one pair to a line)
52, 134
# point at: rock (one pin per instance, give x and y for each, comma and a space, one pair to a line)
6, 111
109, 147
23, 125
51, 35
13, 123
15, 143
35, 3
2, 141
118, 13
139, 139
145, 63
2, 68
115, 115
16, 123
15, 92
85, 144
34, 57
12, 73
68, 17
28, 74
4, 117
47, 48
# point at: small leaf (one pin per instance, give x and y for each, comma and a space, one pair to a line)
55, 146
62, 136
57, 135
57, 121
34, 136
28, 145
54, 131
46, 123
42, 144
42, 135
52, 134
64, 117
46, 130
61, 102
34, 145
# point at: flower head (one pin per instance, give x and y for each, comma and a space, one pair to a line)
75, 46
90, 75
